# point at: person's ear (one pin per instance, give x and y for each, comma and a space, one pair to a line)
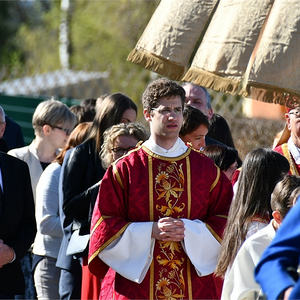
277, 216
147, 115
46, 129
288, 121
210, 113
2, 129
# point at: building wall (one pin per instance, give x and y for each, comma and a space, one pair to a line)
258, 109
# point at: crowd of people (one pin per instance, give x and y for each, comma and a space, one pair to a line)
100, 206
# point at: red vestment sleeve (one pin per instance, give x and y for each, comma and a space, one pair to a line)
220, 198
108, 220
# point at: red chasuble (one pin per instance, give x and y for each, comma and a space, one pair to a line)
143, 186
283, 150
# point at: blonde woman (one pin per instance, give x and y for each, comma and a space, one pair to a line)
52, 123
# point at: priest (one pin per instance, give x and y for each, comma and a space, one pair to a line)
160, 212
288, 143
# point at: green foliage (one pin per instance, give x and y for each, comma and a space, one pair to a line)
10, 56
14, 15
40, 43
102, 33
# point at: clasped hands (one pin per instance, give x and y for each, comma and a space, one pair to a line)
6, 254
168, 229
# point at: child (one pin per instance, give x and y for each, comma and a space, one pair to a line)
194, 128
226, 158
239, 282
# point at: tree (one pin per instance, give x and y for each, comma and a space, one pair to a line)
13, 14
40, 42
102, 34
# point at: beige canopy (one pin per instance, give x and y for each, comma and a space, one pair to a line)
251, 48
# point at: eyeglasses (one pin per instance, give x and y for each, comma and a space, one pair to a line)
296, 113
66, 130
121, 151
167, 111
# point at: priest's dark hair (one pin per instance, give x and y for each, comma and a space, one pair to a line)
161, 88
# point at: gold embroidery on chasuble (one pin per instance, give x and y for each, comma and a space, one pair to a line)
287, 155
170, 258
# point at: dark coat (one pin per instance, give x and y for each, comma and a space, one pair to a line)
81, 173
17, 219
13, 135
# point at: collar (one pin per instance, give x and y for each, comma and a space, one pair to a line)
177, 149
294, 150
33, 149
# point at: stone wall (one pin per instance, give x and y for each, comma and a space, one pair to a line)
249, 134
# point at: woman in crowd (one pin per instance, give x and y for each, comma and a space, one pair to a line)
49, 232
84, 170
224, 157
52, 122
250, 209
118, 140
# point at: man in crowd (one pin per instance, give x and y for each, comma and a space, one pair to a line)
10, 133
219, 131
17, 223
289, 142
160, 211
3, 145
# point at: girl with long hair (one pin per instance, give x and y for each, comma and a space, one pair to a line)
251, 210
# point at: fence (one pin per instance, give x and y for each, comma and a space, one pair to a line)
19, 97
226, 104
247, 133
70, 86
21, 109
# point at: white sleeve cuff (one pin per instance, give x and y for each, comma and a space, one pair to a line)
200, 246
131, 254
14, 258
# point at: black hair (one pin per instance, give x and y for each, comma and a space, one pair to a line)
222, 156
192, 119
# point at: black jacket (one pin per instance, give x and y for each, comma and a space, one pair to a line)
17, 219
82, 171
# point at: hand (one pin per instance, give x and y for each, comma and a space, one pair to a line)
168, 229
287, 293
6, 254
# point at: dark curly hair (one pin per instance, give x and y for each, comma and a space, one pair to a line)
161, 88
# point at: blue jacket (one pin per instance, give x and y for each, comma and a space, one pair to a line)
273, 272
